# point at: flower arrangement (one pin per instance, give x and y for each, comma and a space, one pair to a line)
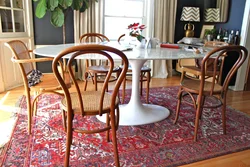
135, 30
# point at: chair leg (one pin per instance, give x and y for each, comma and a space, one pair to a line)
114, 139
202, 104
64, 120
34, 104
107, 125
29, 109
178, 105
91, 76
95, 81
86, 81
147, 89
224, 115
68, 140
197, 117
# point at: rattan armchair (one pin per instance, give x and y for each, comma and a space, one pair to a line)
98, 72
48, 84
91, 103
145, 77
200, 90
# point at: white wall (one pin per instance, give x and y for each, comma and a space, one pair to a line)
245, 41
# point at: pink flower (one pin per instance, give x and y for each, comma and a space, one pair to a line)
141, 27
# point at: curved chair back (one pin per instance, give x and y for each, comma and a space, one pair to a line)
120, 37
85, 51
217, 54
21, 56
20, 52
210, 62
93, 37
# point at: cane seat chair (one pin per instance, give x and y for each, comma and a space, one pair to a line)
195, 70
48, 84
98, 72
200, 90
91, 103
144, 77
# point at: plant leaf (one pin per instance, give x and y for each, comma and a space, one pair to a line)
57, 17
52, 4
41, 9
65, 3
85, 5
76, 5
139, 38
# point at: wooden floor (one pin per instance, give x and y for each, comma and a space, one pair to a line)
238, 100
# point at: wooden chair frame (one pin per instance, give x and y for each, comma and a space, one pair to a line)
204, 89
21, 56
97, 72
193, 71
74, 103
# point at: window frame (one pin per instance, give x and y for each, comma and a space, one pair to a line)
144, 17
25, 20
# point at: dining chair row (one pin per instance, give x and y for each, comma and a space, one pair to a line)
97, 72
78, 102
206, 91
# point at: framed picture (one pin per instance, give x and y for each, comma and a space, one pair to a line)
204, 28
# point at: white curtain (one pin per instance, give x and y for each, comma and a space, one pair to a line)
89, 21
164, 28
223, 5
164, 13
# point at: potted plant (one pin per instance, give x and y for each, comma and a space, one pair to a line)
210, 34
58, 10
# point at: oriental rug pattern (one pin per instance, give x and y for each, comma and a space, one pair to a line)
158, 144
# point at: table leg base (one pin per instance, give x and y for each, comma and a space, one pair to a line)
140, 115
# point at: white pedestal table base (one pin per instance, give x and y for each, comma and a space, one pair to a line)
136, 113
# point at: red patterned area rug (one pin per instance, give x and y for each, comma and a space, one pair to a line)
159, 144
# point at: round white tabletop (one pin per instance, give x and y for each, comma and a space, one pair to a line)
133, 113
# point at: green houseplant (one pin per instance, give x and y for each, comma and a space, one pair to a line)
210, 34
59, 9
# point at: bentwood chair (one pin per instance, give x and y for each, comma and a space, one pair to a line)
98, 72
145, 77
196, 69
91, 103
48, 84
200, 90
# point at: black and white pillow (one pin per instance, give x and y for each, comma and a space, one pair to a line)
34, 77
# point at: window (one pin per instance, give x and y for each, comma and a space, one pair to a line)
12, 17
118, 14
